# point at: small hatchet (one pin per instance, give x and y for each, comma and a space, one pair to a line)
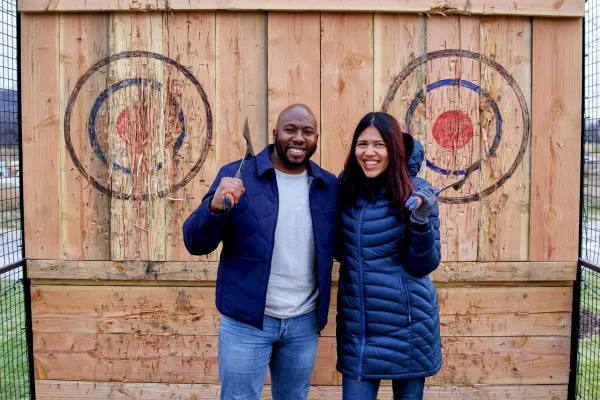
455, 185
227, 200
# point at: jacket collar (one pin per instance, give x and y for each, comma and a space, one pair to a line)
264, 164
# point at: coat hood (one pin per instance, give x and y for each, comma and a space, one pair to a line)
416, 154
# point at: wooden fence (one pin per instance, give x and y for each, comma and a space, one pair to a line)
131, 107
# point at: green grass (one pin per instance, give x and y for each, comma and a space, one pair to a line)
14, 375
590, 291
588, 368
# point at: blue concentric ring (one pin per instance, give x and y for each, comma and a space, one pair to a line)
461, 83
100, 153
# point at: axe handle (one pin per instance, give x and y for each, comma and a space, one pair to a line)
227, 200
420, 200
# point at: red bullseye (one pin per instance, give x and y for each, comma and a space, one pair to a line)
453, 129
132, 124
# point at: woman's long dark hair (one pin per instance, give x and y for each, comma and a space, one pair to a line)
396, 178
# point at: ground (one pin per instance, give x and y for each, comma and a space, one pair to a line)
14, 384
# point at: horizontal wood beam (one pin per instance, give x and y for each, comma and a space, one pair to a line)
71, 390
207, 271
194, 359
564, 8
464, 311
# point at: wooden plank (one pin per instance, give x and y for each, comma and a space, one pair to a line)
450, 110
85, 210
41, 135
399, 39
72, 390
346, 82
193, 359
294, 66
504, 221
534, 7
241, 84
489, 311
207, 271
556, 139
189, 38
136, 140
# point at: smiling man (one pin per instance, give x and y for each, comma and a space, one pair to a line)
274, 278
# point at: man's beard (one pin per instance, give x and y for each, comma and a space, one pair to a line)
282, 151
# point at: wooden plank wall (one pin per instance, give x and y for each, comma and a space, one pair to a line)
121, 310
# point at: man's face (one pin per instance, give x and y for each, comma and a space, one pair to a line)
295, 137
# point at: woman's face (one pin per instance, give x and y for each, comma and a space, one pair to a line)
371, 152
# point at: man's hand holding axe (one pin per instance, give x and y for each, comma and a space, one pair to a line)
230, 190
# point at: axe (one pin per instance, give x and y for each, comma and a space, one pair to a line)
227, 200
455, 185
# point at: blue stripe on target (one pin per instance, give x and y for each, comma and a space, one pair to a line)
100, 153
466, 84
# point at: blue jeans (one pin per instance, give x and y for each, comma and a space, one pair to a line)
410, 389
288, 347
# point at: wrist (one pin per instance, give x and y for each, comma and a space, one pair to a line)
213, 208
419, 219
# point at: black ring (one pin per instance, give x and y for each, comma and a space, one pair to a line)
391, 93
132, 54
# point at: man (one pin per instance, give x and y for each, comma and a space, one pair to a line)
274, 278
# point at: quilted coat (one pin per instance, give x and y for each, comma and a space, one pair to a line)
388, 319
248, 235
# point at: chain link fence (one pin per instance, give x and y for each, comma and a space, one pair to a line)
15, 383
585, 377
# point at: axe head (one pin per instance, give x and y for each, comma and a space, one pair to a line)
459, 183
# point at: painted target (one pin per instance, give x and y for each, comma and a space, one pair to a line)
142, 110
452, 128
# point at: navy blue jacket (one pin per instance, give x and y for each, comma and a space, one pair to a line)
248, 235
388, 320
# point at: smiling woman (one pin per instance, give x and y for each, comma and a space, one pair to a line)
386, 255
371, 152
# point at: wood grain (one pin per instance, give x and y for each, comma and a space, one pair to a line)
76, 390
346, 83
41, 136
140, 272
241, 84
504, 222
399, 39
189, 38
484, 311
85, 211
194, 358
533, 7
459, 222
137, 224
294, 66
556, 139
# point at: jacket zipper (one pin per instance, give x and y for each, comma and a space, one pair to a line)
362, 297
312, 214
406, 298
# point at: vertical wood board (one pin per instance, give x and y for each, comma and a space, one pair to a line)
294, 66
556, 139
504, 221
453, 131
41, 135
85, 222
189, 39
346, 82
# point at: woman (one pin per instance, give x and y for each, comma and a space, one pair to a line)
387, 321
